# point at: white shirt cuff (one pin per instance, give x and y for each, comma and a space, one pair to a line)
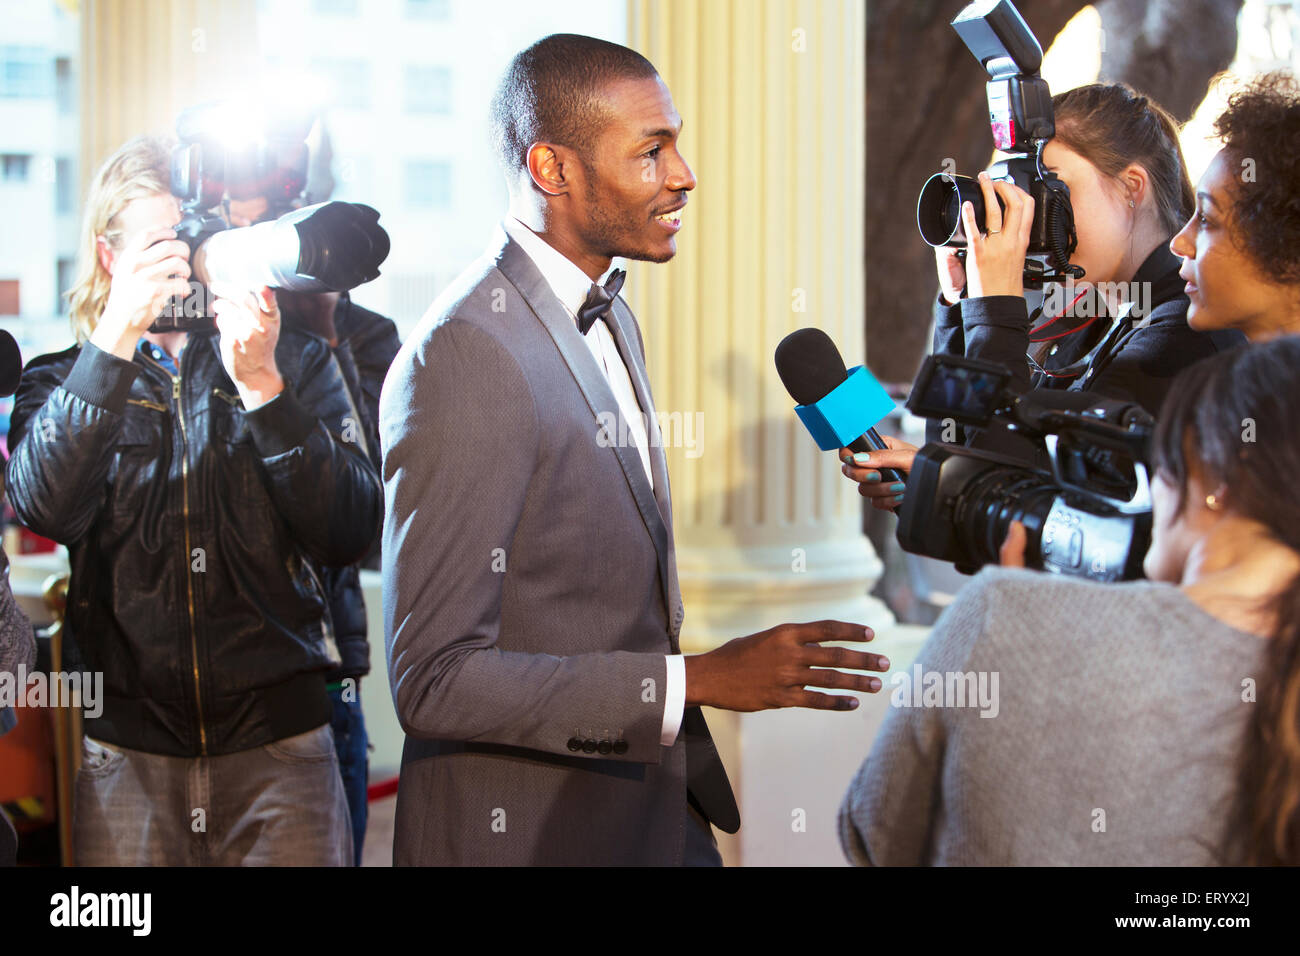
674, 699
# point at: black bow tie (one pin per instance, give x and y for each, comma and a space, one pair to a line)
599, 300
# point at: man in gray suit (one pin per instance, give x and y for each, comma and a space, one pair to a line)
530, 588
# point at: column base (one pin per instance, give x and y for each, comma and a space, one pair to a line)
790, 768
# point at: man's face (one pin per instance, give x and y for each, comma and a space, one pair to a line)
635, 180
245, 212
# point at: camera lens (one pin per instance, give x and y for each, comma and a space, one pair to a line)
989, 503
938, 210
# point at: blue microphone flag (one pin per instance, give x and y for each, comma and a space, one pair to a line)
847, 411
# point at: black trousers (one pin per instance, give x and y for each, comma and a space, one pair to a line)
8, 841
701, 845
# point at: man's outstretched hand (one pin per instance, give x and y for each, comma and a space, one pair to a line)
771, 669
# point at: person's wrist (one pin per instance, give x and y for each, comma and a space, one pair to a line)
116, 336
257, 390
698, 679
1004, 289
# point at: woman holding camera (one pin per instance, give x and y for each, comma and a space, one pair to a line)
1123, 332
1149, 722
1192, 755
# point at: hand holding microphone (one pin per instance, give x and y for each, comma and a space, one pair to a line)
867, 469
840, 408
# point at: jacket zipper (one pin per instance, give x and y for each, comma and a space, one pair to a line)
152, 406
189, 572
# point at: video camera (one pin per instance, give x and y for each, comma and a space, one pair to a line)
1089, 516
1020, 113
326, 247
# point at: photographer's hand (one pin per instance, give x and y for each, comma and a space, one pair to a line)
151, 269
864, 468
952, 274
995, 262
250, 328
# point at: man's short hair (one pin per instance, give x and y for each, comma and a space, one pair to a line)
552, 93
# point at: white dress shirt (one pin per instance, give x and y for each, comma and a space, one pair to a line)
571, 285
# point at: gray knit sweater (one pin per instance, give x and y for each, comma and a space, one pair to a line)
1119, 714
17, 642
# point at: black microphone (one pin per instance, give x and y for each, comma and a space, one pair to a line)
811, 367
11, 364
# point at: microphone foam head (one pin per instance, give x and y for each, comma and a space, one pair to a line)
11, 364
809, 364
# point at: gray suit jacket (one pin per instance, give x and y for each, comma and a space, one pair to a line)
530, 592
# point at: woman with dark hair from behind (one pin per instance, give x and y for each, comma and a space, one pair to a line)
1150, 722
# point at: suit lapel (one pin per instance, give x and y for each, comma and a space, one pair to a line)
517, 266
622, 326
636, 370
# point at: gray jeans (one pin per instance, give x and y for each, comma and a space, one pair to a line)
281, 804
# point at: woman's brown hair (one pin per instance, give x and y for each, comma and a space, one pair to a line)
1236, 416
1111, 125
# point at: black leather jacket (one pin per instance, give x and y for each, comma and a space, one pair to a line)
1134, 359
190, 524
367, 344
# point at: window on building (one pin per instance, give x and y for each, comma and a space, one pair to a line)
64, 88
9, 297
428, 89
349, 81
428, 184
24, 71
14, 167
428, 9
66, 275
65, 187
340, 7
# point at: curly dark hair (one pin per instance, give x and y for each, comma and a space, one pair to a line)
1261, 136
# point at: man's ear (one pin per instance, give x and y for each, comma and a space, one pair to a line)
546, 169
105, 253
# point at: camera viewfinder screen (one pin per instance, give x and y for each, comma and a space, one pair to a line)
961, 393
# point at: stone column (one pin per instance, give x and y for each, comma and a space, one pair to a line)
143, 62
772, 98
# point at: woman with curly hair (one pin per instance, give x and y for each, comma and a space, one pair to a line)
1158, 721
1121, 332
1241, 247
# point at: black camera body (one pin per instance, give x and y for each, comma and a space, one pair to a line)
1088, 516
208, 167
326, 247
1022, 121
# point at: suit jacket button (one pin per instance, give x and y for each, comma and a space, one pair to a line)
575, 744
589, 746
620, 746
604, 746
